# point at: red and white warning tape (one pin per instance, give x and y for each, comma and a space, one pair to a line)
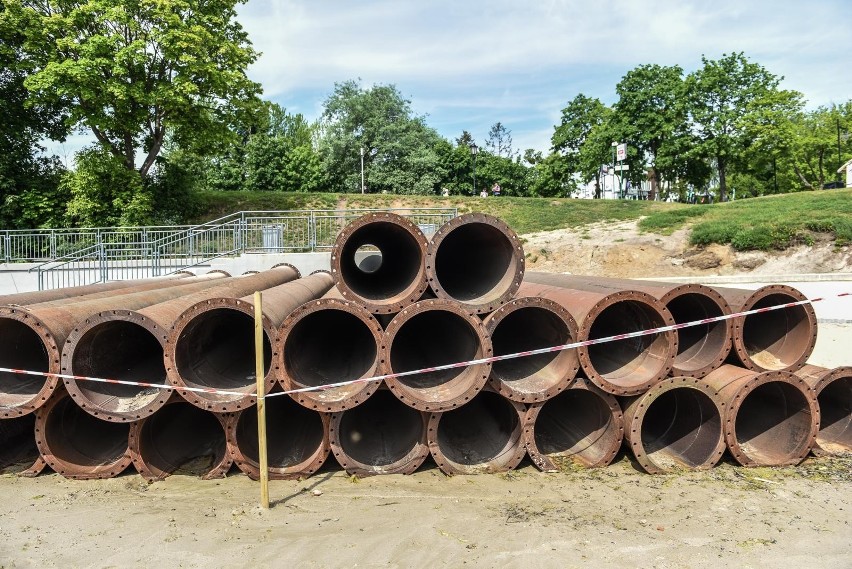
490, 359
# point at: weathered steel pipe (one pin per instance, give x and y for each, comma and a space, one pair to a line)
476, 260
833, 389
18, 449
701, 348
77, 445
675, 425
381, 436
211, 344
180, 438
432, 333
384, 281
771, 418
777, 340
86, 292
129, 345
620, 367
582, 426
297, 439
328, 341
483, 436
530, 323
33, 337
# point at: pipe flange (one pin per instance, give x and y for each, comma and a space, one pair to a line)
292, 266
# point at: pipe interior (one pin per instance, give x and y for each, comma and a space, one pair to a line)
485, 430
577, 423
216, 350
294, 434
531, 328
329, 346
79, 439
777, 339
773, 423
122, 350
180, 438
698, 346
17, 442
379, 276
21, 348
681, 428
633, 360
381, 431
835, 404
474, 262
434, 338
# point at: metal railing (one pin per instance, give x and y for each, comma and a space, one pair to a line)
74, 257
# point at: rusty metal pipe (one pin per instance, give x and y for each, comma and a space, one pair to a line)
180, 439
778, 340
431, 333
87, 292
582, 426
701, 348
211, 344
833, 389
328, 341
675, 425
621, 367
33, 337
378, 262
529, 323
771, 418
381, 436
476, 260
77, 445
483, 436
18, 449
129, 345
297, 439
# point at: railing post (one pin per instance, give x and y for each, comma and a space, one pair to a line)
7, 246
104, 268
52, 245
312, 230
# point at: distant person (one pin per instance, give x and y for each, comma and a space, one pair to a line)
483, 193
495, 189
445, 192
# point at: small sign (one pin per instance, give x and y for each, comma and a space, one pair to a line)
621, 152
622, 167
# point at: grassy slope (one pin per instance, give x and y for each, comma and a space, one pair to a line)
761, 223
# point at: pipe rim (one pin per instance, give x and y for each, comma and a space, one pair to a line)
822, 446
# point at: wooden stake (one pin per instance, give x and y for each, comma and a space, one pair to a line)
261, 401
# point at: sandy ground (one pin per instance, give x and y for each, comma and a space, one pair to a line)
610, 517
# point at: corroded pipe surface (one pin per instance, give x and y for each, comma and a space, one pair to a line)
779, 340
428, 334
701, 348
386, 280
483, 436
381, 436
675, 425
529, 323
129, 345
86, 292
18, 449
180, 439
621, 367
476, 260
582, 426
328, 341
211, 344
78, 445
34, 335
833, 389
771, 418
297, 439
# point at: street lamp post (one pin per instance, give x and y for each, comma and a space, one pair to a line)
363, 187
474, 150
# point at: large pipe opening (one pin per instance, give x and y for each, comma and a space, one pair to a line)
531, 328
633, 361
835, 404
123, 350
773, 423
703, 345
21, 348
381, 432
777, 339
294, 433
216, 350
681, 428
484, 433
380, 260
180, 438
18, 450
82, 442
576, 425
475, 262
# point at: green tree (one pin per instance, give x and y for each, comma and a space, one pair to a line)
819, 148
583, 139
499, 141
